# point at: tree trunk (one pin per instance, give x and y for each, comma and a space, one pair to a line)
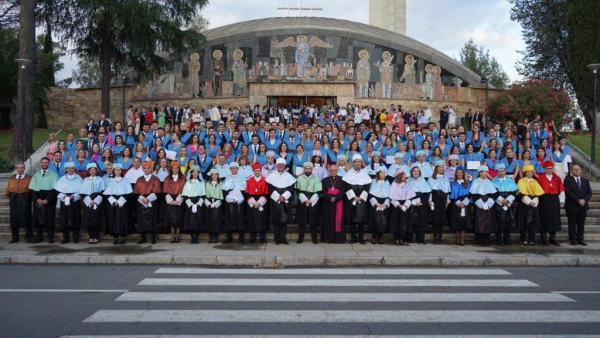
26, 51
106, 73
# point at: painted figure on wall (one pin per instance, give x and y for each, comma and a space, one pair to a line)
409, 77
194, 67
302, 55
427, 87
239, 73
438, 89
218, 68
386, 68
363, 73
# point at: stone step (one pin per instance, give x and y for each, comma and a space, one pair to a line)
388, 238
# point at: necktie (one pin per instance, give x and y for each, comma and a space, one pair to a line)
90, 145
537, 135
578, 183
43, 173
255, 149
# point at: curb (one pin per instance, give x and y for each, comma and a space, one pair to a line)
279, 262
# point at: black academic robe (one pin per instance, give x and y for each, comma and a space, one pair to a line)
549, 210
117, 217
192, 222
484, 221
172, 214
281, 213
458, 222
399, 219
505, 219
43, 215
20, 210
332, 211
69, 216
419, 215
356, 213
235, 215
378, 220
92, 219
213, 217
528, 217
308, 214
438, 216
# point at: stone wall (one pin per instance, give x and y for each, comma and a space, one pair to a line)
71, 108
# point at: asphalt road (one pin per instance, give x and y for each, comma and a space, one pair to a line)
125, 301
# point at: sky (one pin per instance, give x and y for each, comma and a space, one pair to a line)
445, 25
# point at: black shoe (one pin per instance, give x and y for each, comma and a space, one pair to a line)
582, 243
252, 241
284, 241
50, 241
76, 239
242, 241
362, 241
352, 241
545, 243
263, 241
116, 241
228, 240
573, 243
277, 242
300, 241
39, 240
508, 244
121, 242
64, 241
141, 241
315, 240
28, 240
13, 241
153, 239
555, 243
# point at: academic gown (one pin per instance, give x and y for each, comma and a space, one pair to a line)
91, 190
214, 213
460, 218
357, 184
194, 210
379, 192
147, 216
118, 190
550, 203
69, 215
235, 212
401, 195
308, 188
482, 192
283, 184
43, 188
172, 215
440, 190
332, 213
257, 191
419, 215
20, 202
506, 189
528, 217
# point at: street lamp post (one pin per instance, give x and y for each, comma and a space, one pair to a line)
23, 64
125, 78
486, 79
594, 67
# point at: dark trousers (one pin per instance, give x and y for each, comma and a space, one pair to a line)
28, 234
94, 233
438, 230
280, 231
398, 236
361, 230
75, 234
503, 236
483, 239
544, 237
419, 232
263, 236
313, 230
528, 235
49, 231
229, 235
375, 234
576, 219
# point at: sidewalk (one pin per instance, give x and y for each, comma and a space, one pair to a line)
306, 254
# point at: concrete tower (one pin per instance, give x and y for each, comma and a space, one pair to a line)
388, 14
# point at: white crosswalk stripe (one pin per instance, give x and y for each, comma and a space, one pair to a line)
324, 297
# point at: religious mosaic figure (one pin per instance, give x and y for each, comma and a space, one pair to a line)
167, 80
409, 76
438, 89
302, 55
386, 68
218, 68
239, 72
194, 67
427, 86
363, 73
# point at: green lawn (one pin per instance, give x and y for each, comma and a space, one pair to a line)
584, 142
39, 138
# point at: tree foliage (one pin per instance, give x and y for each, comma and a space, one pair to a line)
530, 98
128, 34
481, 62
87, 75
561, 38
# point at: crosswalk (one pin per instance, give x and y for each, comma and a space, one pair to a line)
332, 303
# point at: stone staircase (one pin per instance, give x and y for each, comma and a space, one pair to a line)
592, 229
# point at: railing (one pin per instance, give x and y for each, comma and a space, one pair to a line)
589, 159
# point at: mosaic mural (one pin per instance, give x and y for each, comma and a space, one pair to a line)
225, 70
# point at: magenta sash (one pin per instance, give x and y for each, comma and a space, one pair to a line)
338, 210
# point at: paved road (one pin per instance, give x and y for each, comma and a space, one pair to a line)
154, 301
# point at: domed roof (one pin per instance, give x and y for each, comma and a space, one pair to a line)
341, 28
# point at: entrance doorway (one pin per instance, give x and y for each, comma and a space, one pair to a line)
304, 100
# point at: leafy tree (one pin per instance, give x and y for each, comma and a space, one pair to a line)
530, 98
481, 62
87, 75
127, 34
561, 38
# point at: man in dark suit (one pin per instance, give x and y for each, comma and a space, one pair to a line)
104, 122
578, 193
91, 127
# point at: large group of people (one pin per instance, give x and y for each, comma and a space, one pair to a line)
244, 170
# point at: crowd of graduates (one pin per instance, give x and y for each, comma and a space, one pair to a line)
331, 169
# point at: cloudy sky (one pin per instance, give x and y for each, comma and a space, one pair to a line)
443, 24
